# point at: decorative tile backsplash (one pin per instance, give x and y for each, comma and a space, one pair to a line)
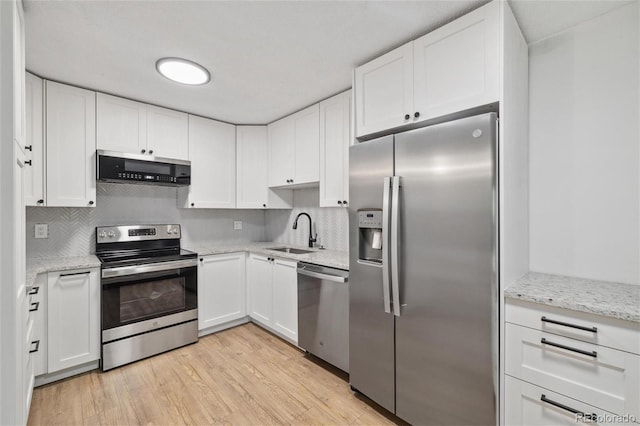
331, 223
72, 229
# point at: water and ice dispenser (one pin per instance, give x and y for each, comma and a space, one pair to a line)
370, 235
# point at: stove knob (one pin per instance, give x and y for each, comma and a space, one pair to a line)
112, 234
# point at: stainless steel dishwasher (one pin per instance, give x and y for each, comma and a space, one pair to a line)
323, 313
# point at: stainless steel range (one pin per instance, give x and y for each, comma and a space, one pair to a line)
149, 292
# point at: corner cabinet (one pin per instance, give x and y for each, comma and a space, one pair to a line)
221, 289
252, 186
73, 318
453, 68
272, 286
71, 146
212, 152
294, 144
335, 139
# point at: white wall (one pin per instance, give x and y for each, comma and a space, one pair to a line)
331, 223
584, 150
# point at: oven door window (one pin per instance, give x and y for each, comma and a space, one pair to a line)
134, 298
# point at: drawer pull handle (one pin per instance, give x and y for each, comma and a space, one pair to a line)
585, 416
37, 343
34, 306
566, 324
34, 290
569, 348
70, 274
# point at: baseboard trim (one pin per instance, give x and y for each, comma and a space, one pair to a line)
45, 379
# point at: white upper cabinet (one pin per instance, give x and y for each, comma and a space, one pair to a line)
212, 152
71, 146
121, 124
133, 127
456, 67
453, 68
281, 152
335, 134
167, 133
294, 145
34, 189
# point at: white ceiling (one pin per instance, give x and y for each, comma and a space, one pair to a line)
267, 58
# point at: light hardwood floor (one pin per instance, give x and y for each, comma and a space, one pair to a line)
240, 376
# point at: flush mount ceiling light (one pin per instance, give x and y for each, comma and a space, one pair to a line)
183, 71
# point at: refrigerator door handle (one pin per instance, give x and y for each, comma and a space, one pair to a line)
386, 292
395, 235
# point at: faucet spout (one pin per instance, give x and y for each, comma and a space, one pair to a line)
295, 226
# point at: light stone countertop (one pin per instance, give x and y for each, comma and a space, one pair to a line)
37, 266
609, 299
331, 258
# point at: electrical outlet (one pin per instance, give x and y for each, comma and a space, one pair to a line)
42, 230
237, 224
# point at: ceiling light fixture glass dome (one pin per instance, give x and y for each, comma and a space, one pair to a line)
183, 71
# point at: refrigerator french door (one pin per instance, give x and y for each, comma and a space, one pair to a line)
423, 272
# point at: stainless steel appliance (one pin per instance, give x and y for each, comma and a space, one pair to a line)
323, 313
423, 280
122, 167
149, 292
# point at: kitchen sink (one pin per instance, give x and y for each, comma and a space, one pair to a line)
289, 250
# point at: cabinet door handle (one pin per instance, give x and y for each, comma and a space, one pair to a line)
593, 354
150, 151
34, 290
29, 148
566, 324
264, 205
142, 151
27, 162
41, 201
407, 116
34, 306
344, 202
339, 203
70, 274
90, 203
585, 416
37, 343
417, 114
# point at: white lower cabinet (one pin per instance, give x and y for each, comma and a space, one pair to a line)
38, 310
73, 318
561, 363
221, 289
273, 294
285, 298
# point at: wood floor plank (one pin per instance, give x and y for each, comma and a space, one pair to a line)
240, 376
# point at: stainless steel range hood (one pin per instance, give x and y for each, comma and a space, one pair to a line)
120, 167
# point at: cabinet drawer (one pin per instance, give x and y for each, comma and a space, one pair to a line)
604, 331
527, 404
597, 375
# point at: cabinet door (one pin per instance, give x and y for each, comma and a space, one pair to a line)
212, 151
307, 145
285, 298
456, 67
121, 124
281, 152
384, 91
221, 289
34, 173
251, 182
73, 318
335, 116
259, 285
71, 146
167, 133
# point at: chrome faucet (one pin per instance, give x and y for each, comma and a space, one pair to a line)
295, 226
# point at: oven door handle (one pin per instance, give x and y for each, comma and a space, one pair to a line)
151, 267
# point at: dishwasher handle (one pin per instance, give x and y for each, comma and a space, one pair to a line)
321, 275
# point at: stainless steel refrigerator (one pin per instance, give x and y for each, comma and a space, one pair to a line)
423, 272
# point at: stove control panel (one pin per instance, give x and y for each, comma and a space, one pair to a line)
113, 234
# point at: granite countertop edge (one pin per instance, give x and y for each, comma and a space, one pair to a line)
604, 298
39, 265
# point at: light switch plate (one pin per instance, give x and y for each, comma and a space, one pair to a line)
41, 230
237, 224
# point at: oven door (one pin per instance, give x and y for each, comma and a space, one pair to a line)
141, 298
